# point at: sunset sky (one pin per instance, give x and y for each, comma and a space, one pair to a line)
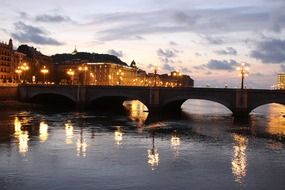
206, 39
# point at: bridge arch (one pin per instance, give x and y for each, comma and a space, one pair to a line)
53, 99
176, 103
256, 106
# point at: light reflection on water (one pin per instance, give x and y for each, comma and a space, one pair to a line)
239, 162
43, 131
205, 146
68, 133
118, 136
22, 136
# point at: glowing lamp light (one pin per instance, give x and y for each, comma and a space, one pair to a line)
243, 72
44, 71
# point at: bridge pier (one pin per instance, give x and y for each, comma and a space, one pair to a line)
241, 104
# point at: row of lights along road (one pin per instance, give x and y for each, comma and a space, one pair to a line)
243, 72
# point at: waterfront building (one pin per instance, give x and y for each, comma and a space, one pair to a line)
281, 81
35, 60
23, 64
6, 62
84, 72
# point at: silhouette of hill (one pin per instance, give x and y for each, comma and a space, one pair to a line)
90, 57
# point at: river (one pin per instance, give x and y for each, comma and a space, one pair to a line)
203, 148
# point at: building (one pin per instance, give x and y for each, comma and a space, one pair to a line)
23, 64
281, 81
110, 74
35, 61
6, 62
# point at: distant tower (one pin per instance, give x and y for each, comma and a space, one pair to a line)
10, 44
133, 64
74, 51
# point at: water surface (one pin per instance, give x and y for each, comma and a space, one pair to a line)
204, 148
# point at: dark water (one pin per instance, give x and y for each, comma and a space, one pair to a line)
205, 148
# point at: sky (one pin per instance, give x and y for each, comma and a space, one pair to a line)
206, 39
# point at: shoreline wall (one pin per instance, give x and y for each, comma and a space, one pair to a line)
8, 93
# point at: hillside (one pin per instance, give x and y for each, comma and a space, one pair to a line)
90, 57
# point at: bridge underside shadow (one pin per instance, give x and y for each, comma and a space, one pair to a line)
107, 104
53, 101
174, 106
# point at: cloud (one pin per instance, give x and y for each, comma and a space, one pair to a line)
214, 40
168, 67
228, 51
115, 53
283, 68
185, 70
167, 53
270, 51
173, 43
222, 65
28, 33
52, 18
208, 22
198, 54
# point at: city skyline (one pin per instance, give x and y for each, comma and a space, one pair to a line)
204, 40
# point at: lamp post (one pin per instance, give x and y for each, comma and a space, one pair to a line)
243, 72
84, 69
19, 72
25, 68
71, 73
44, 71
155, 68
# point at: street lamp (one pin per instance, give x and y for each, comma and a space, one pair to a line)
25, 68
71, 73
155, 68
44, 71
84, 69
243, 72
19, 72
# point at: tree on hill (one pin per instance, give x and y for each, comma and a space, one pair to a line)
90, 57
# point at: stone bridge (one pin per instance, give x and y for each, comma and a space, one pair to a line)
156, 99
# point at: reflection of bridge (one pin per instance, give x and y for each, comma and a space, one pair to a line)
240, 102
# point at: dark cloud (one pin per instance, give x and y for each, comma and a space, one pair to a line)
199, 67
168, 67
270, 51
214, 40
52, 18
24, 15
173, 43
167, 53
228, 51
258, 74
222, 65
150, 66
185, 70
116, 53
208, 22
28, 33
198, 54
